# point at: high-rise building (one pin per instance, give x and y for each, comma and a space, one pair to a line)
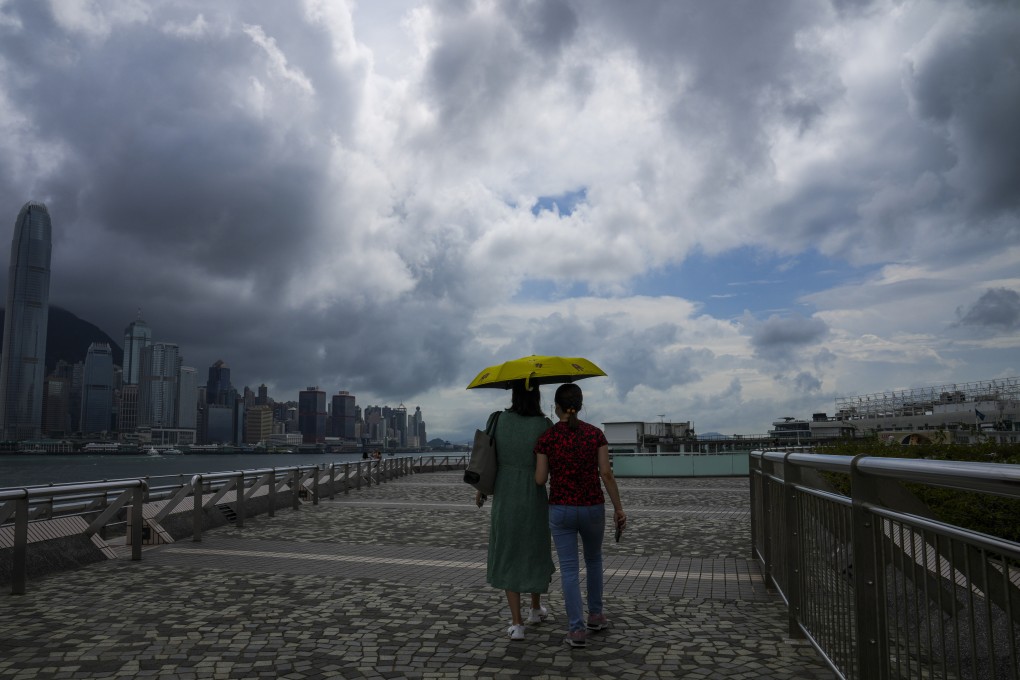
312, 415
97, 389
258, 424
127, 420
23, 362
187, 398
137, 335
343, 415
160, 370
56, 422
400, 425
263, 398
218, 389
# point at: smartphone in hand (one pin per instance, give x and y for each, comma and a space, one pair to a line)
619, 531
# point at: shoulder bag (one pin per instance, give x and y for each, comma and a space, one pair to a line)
481, 471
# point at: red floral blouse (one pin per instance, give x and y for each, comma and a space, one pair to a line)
573, 463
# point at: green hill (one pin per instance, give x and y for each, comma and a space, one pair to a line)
68, 337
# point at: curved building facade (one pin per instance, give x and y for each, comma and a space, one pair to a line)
23, 362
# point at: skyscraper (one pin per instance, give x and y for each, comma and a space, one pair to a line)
343, 415
23, 362
312, 415
97, 389
160, 370
187, 398
136, 336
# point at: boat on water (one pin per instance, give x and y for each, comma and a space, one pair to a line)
171, 452
151, 451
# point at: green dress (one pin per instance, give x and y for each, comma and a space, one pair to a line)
520, 556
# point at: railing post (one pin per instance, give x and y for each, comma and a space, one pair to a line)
20, 552
315, 485
766, 519
295, 501
347, 478
357, 479
869, 578
137, 518
332, 481
272, 492
368, 477
196, 516
753, 467
239, 509
794, 556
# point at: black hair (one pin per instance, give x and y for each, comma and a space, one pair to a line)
570, 400
526, 402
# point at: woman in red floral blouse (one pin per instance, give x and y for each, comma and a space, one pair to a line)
576, 456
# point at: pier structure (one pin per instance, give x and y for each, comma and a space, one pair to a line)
388, 581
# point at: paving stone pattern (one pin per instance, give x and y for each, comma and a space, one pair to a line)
389, 582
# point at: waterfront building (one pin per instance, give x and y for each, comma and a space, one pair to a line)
127, 419
97, 389
343, 415
160, 371
400, 425
985, 410
658, 437
219, 424
218, 389
23, 358
312, 415
137, 336
187, 398
417, 427
258, 424
56, 395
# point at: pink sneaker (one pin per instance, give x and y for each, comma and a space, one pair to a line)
597, 622
577, 638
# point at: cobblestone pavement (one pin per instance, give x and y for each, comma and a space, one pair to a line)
389, 582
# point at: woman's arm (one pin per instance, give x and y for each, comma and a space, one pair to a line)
606, 473
541, 469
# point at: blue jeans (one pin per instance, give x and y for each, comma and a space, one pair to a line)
567, 522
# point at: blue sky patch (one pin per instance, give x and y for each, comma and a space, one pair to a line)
566, 202
749, 279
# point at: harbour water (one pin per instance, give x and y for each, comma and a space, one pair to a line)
18, 470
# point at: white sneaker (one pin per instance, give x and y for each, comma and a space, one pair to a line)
538, 615
515, 632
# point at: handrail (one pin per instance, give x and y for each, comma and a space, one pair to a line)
868, 577
109, 502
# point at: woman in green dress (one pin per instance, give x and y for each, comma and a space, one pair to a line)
520, 558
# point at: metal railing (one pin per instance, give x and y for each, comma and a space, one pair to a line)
136, 509
874, 581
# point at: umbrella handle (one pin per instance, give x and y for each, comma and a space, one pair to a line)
527, 382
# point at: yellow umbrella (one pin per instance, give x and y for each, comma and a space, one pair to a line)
536, 370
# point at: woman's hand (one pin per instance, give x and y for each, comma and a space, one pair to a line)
621, 519
480, 498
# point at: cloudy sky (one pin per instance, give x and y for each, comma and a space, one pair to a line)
740, 210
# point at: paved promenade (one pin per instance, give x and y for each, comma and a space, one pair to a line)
389, 582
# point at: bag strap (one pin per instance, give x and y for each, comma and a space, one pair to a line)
490, 426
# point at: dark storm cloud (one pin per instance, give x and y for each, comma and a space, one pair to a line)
779, 337
997, 308
967, 83
192, 177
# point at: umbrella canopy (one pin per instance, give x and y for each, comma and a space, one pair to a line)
536, 370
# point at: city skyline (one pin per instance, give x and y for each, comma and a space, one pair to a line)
738, 215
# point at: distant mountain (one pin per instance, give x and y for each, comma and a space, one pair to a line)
68, 338
714, 435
